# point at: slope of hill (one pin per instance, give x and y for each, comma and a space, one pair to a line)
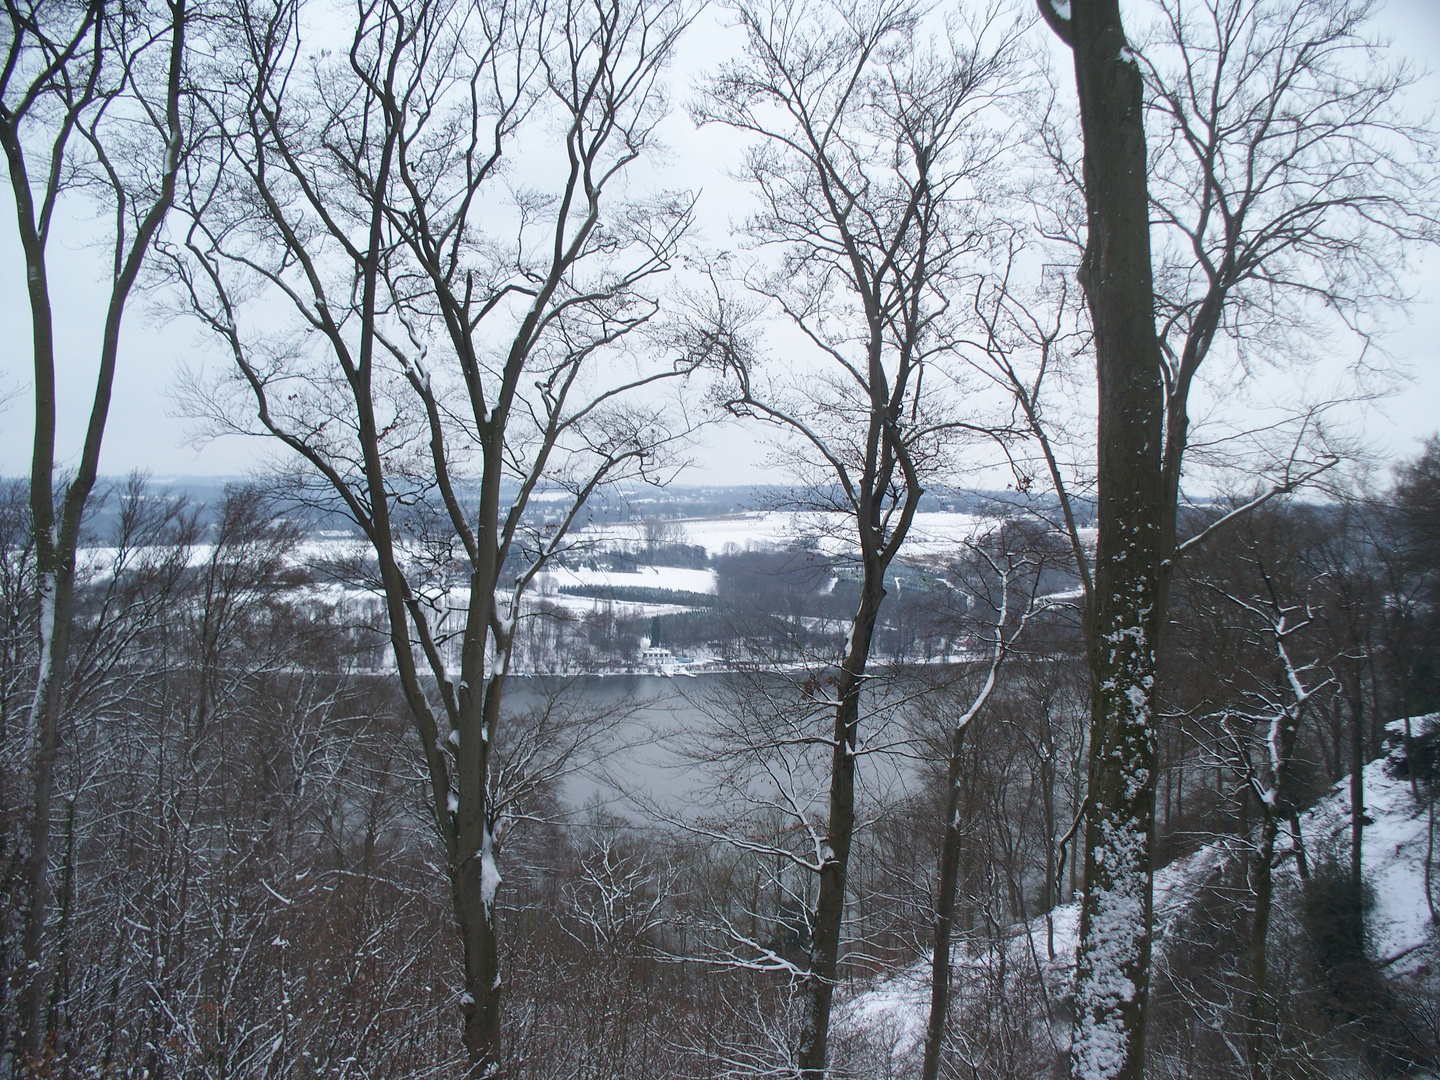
1402, 940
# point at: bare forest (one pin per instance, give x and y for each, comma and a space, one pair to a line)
1065, 702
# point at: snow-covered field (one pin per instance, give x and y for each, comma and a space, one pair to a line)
932, 534
323, 547
675, 578
1401, 937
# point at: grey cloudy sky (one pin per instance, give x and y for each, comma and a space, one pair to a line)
143, 433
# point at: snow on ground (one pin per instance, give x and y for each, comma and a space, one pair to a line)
898, 1006
1401, 936
101, 558
931, 534
621, 609
714, 534
673, 578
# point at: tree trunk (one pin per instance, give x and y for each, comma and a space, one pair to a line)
944, 915
1113, 967
56, 541
1263, 888
475, 873
1357, 797
56, 591
480, 1003
819, 983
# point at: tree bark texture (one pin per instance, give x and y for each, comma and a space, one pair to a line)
1113, 968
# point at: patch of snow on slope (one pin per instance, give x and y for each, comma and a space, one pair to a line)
1401, 937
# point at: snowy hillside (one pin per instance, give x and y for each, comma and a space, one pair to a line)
932, 533
1401, 937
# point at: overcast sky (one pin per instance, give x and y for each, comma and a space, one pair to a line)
143, 433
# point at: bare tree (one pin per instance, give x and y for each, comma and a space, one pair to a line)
1283, 172
1349, 565
17, 595
1009, 576
90, 98
1288, 187
866, 141
238, 887
657, 533
1279, 711
1253, 624
508, 329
